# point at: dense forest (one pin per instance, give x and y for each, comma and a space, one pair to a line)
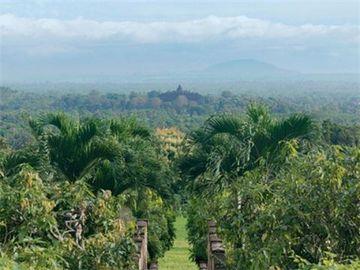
280, 175
339, 108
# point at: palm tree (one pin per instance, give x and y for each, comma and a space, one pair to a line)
126, 128
227, 146
116, 155
139, 164
74, 148
12, 162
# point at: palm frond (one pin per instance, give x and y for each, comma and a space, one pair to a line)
296, 126
258, 114
141, 131
213, 161
59, 120
35, 127
86, 132
224, 124
89, 156
129, 128
14, 160
197, 136
193, 165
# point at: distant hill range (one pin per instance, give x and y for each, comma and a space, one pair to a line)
245, 65
254, 70
230, 71
245, 68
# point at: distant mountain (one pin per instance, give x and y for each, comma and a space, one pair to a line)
245, 69
244, 65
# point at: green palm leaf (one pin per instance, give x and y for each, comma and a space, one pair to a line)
125, 128
228, 146
296, 126
224, 124
13, 161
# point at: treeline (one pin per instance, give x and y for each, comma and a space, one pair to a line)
181, 108
183, 101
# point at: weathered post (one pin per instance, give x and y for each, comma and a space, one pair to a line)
216, 251
203, 265
140, 239
153, 266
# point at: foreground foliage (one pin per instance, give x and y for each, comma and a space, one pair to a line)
308, 210
282, 196
92, 170
279, 202
46, 225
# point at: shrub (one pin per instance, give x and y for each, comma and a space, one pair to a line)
309, 209
47, 225
146, 204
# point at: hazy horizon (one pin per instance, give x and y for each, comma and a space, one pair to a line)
116, 40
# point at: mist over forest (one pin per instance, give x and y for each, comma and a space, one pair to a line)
179, 135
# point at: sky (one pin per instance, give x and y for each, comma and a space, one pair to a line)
43, 40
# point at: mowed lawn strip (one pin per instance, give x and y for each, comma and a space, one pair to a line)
178, 257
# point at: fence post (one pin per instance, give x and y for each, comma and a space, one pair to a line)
203, 266
153, 266
140, 239
216, 251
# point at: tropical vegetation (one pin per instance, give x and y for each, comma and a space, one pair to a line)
279, 200
280, 176
77, 190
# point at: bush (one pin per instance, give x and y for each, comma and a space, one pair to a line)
146, 204
197, 230
309, 209
47, 225
329, 264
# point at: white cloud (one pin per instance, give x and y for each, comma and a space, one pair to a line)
209, 28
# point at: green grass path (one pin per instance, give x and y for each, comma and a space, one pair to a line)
177, 258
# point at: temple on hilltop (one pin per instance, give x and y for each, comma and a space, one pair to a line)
179, 88
172, 95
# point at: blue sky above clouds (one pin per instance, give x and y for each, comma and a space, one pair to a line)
45, 40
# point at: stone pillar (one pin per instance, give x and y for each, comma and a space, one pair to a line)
140, 239
203, 266
216, 251
153, 266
